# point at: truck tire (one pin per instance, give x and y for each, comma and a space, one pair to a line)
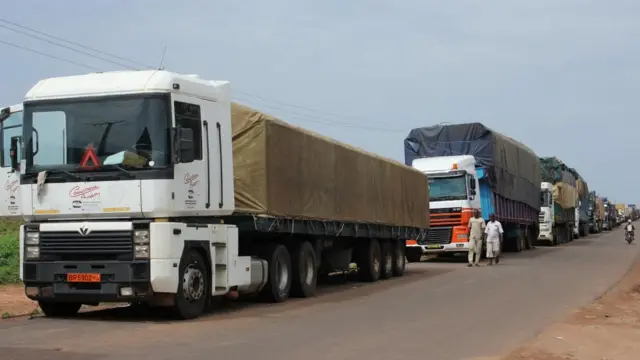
279, 283
386, 268
399, 260
305, 274
193, 287
59, 309
369, 261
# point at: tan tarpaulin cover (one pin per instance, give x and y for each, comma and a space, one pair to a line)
284, 170
600, 207
581, 188
620, 206
565, 195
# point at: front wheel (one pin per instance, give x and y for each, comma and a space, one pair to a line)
59, 309
193, 289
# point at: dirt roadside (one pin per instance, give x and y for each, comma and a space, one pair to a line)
14, 303
608, 329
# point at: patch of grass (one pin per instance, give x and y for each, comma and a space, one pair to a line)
9, 252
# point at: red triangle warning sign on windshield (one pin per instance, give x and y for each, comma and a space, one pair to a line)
89, 154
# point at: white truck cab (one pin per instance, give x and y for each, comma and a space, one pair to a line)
453, 196
115, 165
10, 133
546, 212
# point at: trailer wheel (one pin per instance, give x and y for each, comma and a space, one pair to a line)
399, 260
369, 261
386, 270
193, 289
59, 309
279, 283
305, 275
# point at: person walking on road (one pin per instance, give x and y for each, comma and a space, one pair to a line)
476, 233
494, 234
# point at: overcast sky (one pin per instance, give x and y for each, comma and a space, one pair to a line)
559, 76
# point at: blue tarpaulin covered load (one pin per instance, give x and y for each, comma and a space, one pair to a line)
513, 169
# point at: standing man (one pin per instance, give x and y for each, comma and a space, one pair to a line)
476, 232
494, 234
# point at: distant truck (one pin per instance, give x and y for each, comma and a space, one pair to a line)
610, 215
633, 212
559, 200
473, 167
595, 213
581, 226
153, 187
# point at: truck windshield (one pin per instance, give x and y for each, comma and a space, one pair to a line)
124, 131
545, 198
447, 188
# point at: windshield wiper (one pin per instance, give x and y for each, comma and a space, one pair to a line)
65, 172
448, 197
121, 169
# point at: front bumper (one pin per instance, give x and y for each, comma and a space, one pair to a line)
457, 247
48, 281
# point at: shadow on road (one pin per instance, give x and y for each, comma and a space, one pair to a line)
336, 289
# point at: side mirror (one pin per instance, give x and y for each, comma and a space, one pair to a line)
472, 183
4, 114
13, 153
183, 145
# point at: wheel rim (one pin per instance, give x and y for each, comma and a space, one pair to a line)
193, 283
309, 268
388, 263
376, 261
282, 275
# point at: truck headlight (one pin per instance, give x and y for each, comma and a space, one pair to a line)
142, 251
32, 252
141, 237
141, 242
32, 238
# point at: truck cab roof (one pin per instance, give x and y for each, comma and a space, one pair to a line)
127, 82
444, 163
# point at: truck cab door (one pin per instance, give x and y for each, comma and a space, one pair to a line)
10, 128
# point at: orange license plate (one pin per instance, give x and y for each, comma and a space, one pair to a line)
83, 278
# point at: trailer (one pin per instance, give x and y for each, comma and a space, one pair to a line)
153, 187
471, 166
595, 213
581, 226
559, 202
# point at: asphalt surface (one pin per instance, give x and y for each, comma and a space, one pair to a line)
439, 310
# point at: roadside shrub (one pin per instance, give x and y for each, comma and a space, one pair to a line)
9, 252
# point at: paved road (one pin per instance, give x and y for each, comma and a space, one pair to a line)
438, 311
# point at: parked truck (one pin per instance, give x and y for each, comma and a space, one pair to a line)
473, 167
153, 187
595, 213
581, 225
610, 215
559, 199
10, 135
633, 212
